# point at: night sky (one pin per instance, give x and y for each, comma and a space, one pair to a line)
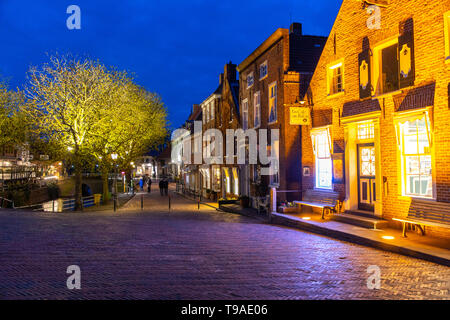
174, 48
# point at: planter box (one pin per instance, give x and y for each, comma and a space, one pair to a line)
288, 210
227, 202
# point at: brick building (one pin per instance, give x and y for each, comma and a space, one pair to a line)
272, 79
379, 101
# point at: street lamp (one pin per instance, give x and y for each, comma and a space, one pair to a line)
114, 156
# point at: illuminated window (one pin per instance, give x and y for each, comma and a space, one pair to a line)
366, 131
273, 102
217, 179
335, 75
257, 110
447, 35
245, 114
227, 180
250, 80
235, 181
416, 157
263, 70
385, 75
274, 167
322, 149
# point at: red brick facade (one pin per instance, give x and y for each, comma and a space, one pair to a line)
422, 24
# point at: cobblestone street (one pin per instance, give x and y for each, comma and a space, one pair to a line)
192, 254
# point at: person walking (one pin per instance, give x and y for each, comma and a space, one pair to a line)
141, 184
149, 184
161, 187
166, 187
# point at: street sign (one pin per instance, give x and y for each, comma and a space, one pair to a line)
300, 116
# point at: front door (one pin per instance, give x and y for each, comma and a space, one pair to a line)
366, 177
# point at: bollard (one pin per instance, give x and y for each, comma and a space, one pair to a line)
115, 203
142, 202
198, 204
53, 206
170, 204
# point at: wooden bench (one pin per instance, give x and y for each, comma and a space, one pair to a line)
424, 213
327, 201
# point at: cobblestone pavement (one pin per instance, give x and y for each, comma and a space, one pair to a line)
192, 254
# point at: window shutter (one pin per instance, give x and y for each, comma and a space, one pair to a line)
407, 72
365, 87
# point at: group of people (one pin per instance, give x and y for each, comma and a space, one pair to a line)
164, 187
147, 181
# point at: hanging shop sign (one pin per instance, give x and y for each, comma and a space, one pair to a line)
300, 116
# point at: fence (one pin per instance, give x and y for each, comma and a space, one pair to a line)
62, 205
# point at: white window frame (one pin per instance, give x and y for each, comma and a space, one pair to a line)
245, 114
447, 36
275, 98
257, 109
399, 123
251, 75
262, 77
315, 133
330, 71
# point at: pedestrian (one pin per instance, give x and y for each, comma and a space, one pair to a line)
166, 187
149, 184
161, 187
141, 184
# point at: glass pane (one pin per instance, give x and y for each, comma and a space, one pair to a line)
412, 165
324, 179
424, 145
411, 144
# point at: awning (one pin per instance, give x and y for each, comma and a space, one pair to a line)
354, 108
417, 98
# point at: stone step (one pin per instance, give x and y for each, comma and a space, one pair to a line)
360, 221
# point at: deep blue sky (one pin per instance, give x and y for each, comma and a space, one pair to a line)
175, 48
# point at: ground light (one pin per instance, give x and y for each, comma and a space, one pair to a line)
388, 237
306, 218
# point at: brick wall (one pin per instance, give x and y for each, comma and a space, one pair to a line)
349, 30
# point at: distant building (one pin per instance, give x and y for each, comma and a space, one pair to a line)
273, 79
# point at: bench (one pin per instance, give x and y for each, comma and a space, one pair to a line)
325, 200
424, 213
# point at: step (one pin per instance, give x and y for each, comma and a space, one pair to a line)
360, 221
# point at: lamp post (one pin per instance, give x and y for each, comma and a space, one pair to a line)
114, 156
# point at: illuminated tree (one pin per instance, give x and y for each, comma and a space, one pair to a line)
89, 112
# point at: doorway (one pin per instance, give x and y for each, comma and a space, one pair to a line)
366, 177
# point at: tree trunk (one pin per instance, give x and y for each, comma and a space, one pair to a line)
78, 188
105, 180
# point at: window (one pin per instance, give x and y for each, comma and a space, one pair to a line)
245, 114
235, 181
416, 157
366, 131
322, 149
274, 167
447, 36
227, 180
250, 80
212, 110
263, 71
389, 69
257, 110
336, 78
273, 102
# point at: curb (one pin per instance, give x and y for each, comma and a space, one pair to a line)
340, 235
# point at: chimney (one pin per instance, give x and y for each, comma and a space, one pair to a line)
195, 108
296, 28
221, 79
230, 71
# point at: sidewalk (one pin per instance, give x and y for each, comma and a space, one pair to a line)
415, 245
